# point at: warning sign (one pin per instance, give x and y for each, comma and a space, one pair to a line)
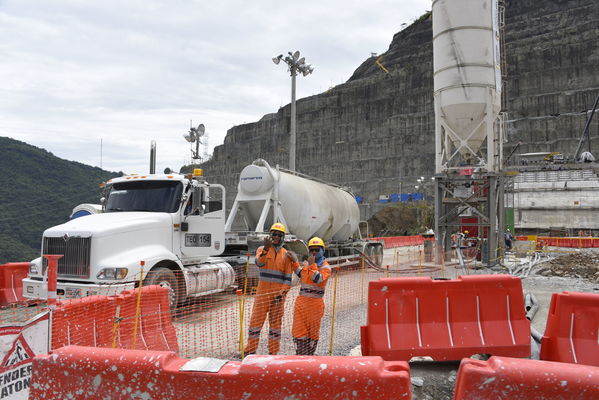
18, 345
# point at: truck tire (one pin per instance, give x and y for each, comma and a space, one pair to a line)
166, 278
375, 253
380, 253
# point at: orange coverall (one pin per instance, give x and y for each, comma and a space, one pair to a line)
309, 307
274, 283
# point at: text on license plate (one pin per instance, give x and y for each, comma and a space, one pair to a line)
198, 239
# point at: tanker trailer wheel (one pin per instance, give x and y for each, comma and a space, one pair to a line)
379, 255
166, 278
375, 253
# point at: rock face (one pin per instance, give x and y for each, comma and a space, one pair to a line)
375, 133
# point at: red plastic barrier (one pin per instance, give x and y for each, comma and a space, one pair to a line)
573, 242
85, 373
11, 282
89, 321
400, 241
155, 331
446, 319
515, 379
571, 330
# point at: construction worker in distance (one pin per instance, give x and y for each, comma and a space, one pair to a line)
309, 305
509, 238
276, 266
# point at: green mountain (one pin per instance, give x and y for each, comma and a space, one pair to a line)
39, 190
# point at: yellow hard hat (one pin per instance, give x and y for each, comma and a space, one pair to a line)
465, 231
278, 227
316, 241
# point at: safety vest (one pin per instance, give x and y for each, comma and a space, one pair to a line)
275, 267
313, 279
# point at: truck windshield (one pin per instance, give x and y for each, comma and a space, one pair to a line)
156, 196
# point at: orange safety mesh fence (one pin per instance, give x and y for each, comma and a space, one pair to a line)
217, 325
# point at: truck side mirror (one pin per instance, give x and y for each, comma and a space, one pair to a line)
196, 204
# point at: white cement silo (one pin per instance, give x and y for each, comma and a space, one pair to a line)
467, 78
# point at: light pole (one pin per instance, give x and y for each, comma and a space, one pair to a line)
295, 64
194, 136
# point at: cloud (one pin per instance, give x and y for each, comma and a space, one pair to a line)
75, 73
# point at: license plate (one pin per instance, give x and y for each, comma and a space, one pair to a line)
198, 239
72, 293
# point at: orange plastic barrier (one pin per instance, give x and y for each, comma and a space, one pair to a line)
521, 379
574, 242
400, 241
84, 373
571, 329
87, 321
90, 321
446, 319
11, 282
155, 329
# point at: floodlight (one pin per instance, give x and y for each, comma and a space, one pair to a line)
188, 138
201, 129
295, 64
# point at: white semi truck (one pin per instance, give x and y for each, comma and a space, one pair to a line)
173, 223
176, 225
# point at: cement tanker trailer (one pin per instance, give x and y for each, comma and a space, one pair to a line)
308, 207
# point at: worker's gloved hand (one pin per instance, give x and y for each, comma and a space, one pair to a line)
291, 255
278, 298
311, 260
267, 243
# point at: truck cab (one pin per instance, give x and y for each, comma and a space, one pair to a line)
164, 229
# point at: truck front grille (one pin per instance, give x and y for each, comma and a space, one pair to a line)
75, 252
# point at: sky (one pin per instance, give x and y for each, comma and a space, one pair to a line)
96, 82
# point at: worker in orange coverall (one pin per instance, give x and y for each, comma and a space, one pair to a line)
276, 266
309, 306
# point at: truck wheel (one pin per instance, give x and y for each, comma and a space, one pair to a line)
166, 278
375, 253
379, 255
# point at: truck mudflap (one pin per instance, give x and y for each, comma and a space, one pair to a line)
34, 289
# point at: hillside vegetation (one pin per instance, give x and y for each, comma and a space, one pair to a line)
39, 190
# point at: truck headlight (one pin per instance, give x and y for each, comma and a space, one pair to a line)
33, 268
112, 273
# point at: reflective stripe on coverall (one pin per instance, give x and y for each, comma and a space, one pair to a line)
274, 283
309, 307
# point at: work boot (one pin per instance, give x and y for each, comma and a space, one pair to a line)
302, 347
